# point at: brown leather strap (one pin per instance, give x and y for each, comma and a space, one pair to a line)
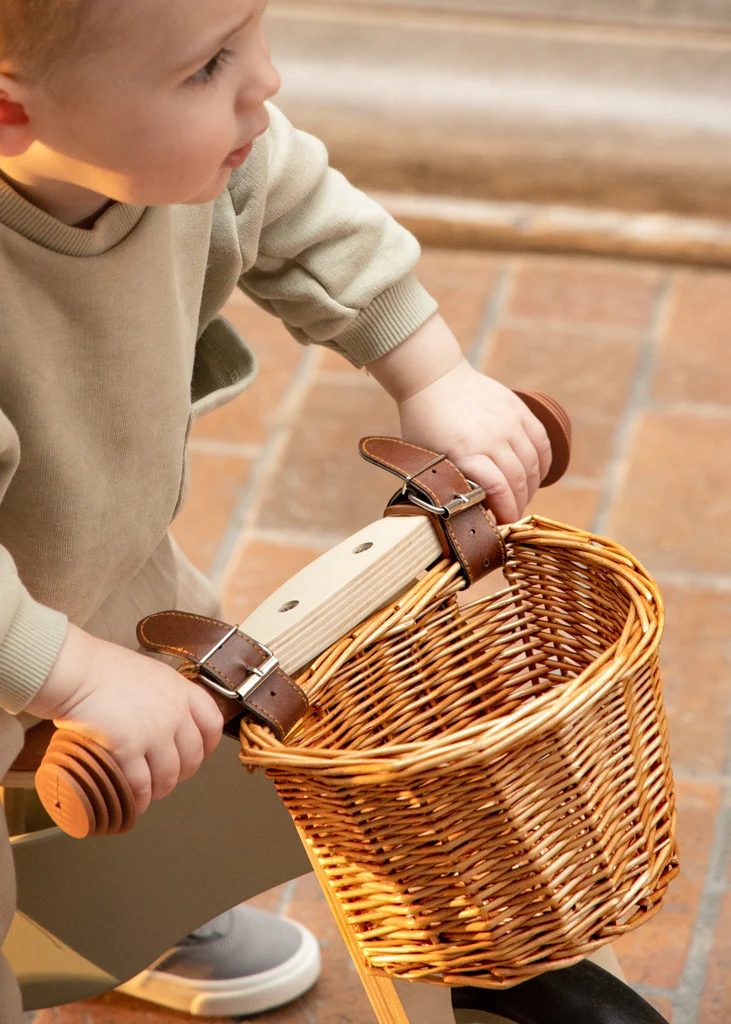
228, 659
457, 507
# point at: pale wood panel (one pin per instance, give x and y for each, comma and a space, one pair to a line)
331, 595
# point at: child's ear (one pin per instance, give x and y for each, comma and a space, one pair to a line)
15, 130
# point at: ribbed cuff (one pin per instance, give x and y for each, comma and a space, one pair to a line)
28, 652
391, 318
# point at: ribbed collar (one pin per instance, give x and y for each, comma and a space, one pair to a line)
111, 228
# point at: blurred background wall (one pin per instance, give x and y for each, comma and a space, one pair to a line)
584, 105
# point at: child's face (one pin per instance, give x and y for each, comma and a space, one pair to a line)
165, 109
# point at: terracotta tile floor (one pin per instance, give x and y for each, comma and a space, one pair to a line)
639, 356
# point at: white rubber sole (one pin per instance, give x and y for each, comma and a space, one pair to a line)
237, 996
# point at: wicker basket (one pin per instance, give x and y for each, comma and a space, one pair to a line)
487, 787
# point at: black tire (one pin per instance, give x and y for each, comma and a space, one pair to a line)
582, 994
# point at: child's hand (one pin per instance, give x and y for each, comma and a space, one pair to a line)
486, 431
158, 725
447, 406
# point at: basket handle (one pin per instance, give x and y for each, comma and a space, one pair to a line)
81, 785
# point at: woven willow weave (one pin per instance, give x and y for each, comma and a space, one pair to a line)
487, 787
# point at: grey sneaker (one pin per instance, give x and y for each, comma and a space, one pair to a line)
245, 961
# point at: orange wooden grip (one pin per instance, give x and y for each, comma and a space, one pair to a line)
83, 788
558, 427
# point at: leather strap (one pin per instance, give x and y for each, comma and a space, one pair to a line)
465, 525
275, 699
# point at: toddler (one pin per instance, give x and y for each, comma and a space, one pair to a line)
143, 176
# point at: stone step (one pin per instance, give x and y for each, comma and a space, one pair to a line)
677, 14
473, 106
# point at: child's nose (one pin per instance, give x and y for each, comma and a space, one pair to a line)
273, 81
265, 81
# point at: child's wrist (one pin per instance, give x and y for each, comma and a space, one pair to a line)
65, 683
420, 360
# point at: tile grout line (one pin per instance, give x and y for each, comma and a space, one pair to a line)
653, 991
687, 1002
206, 446
268, 460
708, 409
345, 378
636, 402
481, 347
286, 897
688, 578
317, 542
311, 1018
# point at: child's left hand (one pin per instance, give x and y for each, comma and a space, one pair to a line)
486, 431
448, 406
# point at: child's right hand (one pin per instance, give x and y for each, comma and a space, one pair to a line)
158, 725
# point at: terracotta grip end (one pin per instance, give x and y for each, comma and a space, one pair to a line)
83, 789
558, 427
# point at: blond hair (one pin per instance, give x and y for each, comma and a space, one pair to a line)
36, 34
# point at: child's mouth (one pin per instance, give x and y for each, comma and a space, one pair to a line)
237, 157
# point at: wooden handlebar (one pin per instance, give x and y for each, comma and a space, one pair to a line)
83, 788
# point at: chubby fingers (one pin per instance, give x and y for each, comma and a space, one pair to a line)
174, 756
536, 437
502, 479
165, 767
207, 717
195, 739
513, 470
138, 775
189, 744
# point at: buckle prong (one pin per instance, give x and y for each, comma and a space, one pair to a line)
408, 479
459, 503
253, 678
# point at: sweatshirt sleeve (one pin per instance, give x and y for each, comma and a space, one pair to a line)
31, 634
330, 262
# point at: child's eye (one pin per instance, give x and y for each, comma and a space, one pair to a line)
209, 71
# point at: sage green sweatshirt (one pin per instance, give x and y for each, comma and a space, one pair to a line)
111, 344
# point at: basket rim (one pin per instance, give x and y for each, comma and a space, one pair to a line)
259, 746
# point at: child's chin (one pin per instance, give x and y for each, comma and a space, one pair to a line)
212, 190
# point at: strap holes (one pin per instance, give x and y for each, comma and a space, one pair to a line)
434, 472
288, 606
272, 693
472, 532
363, 547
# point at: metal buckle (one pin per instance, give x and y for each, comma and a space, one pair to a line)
252, 680
458, 504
